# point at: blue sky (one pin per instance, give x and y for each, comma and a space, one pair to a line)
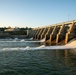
36, 13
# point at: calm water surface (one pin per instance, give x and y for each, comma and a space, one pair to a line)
34, 62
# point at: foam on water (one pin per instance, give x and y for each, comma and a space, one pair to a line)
31, 38
42, 40
70, 45
36, 41
23, 40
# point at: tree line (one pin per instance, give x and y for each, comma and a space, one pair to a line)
21, 29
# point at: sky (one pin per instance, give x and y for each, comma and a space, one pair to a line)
36, 13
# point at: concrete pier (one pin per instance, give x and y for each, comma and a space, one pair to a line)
47, 36
39, 35
71, 32
54, 34
60, 38
44, 33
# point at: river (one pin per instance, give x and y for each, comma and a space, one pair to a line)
16, 58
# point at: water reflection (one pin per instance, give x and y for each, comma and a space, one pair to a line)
62, 61
69, 61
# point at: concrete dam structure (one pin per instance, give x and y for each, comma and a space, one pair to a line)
55, 34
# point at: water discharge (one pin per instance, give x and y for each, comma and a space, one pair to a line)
70, 45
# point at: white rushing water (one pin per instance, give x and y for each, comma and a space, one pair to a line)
22, 40
70, 45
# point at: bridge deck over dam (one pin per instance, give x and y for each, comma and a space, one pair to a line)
60, 33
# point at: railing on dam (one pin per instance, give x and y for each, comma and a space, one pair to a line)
60, 33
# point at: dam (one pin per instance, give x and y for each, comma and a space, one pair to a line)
56, 34
25, 56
